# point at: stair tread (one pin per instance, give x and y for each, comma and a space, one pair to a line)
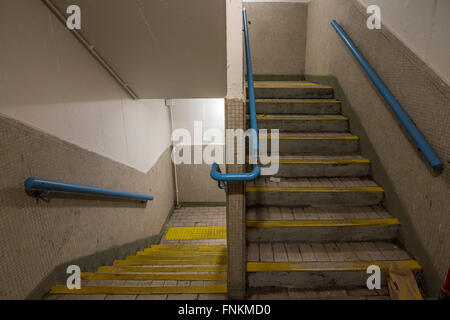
330, 252
144, 289
318, 135
315, 213
299, 117
332, 183
320, 159
308, 101
286, 84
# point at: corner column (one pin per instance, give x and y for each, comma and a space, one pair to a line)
236, 226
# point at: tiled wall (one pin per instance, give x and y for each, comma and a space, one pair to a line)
38, 236
415, 194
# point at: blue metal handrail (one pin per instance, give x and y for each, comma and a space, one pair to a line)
409, 125
44, 187
215, 170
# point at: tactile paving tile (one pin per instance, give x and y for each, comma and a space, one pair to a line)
195, 233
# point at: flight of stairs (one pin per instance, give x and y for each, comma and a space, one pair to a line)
190, 263
319, 222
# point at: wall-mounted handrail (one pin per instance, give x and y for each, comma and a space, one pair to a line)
44, 187
215, 170
409, 125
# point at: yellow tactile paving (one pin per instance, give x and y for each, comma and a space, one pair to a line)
196, 233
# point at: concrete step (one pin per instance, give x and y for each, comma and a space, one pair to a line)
318, 192
162, 271
292, 90
315, 143
312, 265
145, 289
265, 224
344, 293
302, 123
292, 166
298, 106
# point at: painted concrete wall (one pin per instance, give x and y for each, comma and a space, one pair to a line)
277, 37
414, 194
168, 49
235, 57
194, 182
49, 81
72, 123
422, 26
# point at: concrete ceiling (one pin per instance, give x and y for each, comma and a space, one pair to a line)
161, 48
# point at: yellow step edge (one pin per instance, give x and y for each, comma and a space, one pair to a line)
300, 118
286, 85
185, 250
298, 101
149, 262
255, 82
222, 288
316, 189
169, 253
157, 276
188, 246
312, 137
326, 266
180, 252
132, 269
315, 161
176, 258
196, 233
321, 223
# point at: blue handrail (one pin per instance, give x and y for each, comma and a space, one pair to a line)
46, 186
215, 170
409, 125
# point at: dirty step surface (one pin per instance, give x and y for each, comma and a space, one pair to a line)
320, 224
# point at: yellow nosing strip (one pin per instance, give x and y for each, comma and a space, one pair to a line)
171, 253
189, 246
286, 85
157, 276
196, 233
139, 290
181, 256
149, 262
315, 161
327, 266
298, 101
322, 223
300, 118
315, 189
114, 269
312, 138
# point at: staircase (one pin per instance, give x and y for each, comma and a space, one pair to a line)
319, 223
189, 263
